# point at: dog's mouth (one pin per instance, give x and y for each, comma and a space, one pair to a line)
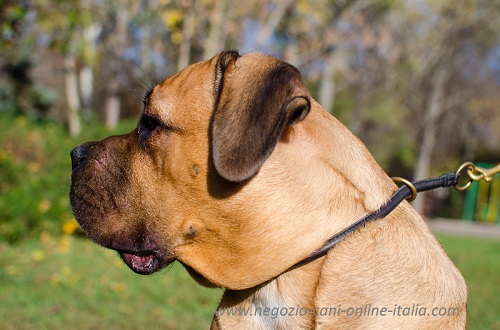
140, 252
143, 263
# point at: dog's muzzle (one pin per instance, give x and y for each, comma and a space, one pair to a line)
100, 198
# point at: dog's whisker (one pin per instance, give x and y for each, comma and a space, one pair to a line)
166, 270
146, 85
133, 82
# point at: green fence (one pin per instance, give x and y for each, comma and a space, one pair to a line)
482, 200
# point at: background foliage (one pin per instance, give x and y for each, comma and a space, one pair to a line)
417, 80
35, 168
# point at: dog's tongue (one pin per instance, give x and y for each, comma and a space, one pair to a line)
142, 264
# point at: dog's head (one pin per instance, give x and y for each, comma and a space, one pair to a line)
217, 175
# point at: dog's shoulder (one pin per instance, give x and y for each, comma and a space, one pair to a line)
391, 268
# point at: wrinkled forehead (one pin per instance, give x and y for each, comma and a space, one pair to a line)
183, 97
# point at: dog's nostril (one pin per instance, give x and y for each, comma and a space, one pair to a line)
79, 155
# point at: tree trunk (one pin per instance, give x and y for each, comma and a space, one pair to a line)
434, 111
86, 89
113, 102
71, 88
90, 35
187, 34
356, 120
215, 41
327, 85
291, 54
272, 23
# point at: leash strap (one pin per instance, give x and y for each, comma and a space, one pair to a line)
406, 191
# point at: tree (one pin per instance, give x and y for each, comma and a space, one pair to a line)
216, 37
20, 94
116, 42
188, 26
434, 41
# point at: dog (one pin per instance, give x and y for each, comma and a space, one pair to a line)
236, 172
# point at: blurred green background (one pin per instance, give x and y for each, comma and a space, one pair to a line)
417, 81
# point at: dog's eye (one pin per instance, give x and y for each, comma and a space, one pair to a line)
147, 126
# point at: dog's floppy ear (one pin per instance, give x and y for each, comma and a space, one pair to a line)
257, 97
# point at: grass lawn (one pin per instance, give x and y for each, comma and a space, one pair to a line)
68, 282
479, 262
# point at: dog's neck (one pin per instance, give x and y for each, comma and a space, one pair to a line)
295, 293
291, 301
285, 302
346, 180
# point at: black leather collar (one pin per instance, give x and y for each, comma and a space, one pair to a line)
407, 191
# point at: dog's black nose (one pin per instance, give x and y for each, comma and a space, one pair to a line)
79, 155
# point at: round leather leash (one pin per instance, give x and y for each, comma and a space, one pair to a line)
407, 191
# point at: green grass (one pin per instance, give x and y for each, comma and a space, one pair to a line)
479, 262
70, 283
56, 282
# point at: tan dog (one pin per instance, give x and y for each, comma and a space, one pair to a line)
238, 174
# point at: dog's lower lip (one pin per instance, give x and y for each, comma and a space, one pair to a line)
143, 263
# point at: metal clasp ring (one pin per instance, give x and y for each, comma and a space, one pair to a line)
409, 185
472, 169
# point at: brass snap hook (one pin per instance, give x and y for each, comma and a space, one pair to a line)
471, 168
484, 173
